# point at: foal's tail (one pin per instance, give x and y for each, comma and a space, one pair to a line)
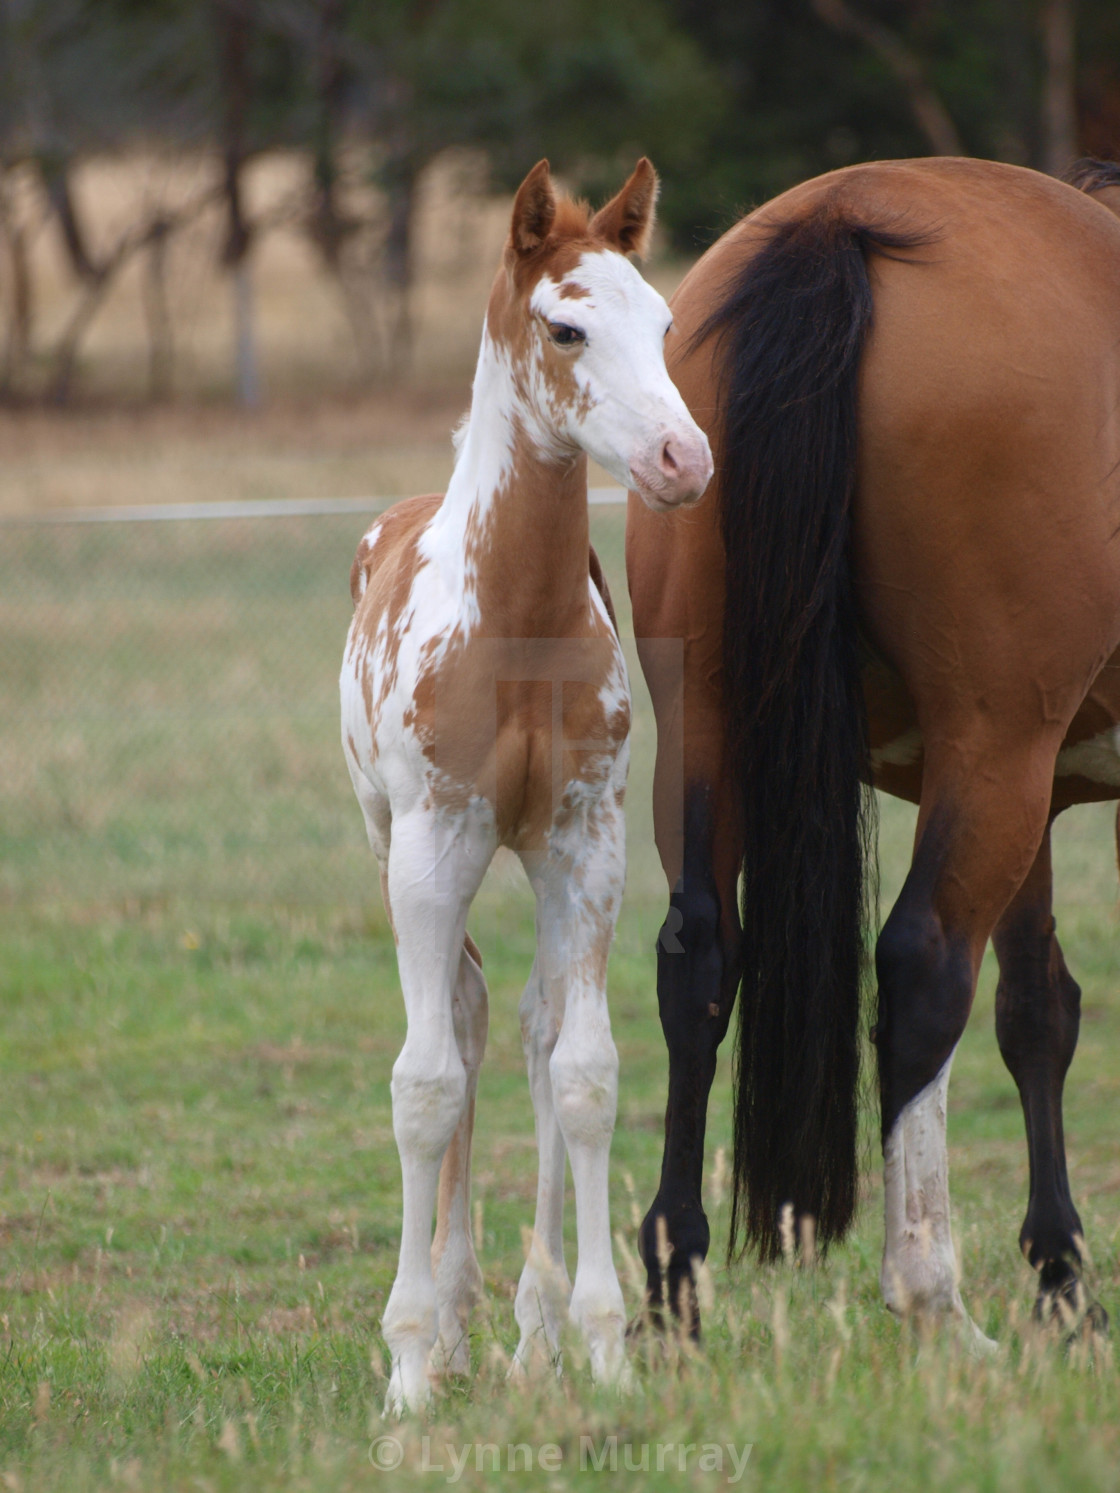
791, 331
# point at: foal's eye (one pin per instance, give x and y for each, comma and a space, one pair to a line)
565, 336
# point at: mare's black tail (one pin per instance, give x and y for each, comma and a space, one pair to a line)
790, 332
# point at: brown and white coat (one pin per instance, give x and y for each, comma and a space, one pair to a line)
485, 703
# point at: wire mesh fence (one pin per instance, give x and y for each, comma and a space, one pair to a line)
169, 711
168, 693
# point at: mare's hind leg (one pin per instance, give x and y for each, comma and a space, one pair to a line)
696, 983
544, 1290
454, 1264
1038, 1008
984, 812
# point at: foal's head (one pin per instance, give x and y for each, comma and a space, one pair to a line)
584, 337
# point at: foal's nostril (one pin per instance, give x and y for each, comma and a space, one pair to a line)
669, 463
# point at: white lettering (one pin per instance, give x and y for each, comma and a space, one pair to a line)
608, 1454
740, 1466
457, 1463
426, 1463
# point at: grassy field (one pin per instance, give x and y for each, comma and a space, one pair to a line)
199, 1194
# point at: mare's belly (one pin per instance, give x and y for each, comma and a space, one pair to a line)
1087, 767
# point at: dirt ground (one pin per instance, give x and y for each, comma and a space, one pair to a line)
385, 443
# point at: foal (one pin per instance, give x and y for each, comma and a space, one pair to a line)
485, 702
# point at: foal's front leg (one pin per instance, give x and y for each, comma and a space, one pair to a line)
579, 892
434, 871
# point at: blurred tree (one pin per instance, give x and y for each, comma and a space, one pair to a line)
591, 85
55, 109
930, 114
86, 77
1059, 99
234, 27
1098, 74
815, 84
733, 99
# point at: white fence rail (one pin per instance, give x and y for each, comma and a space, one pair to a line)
600, 497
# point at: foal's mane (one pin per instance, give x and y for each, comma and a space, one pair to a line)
572, 220
572, 232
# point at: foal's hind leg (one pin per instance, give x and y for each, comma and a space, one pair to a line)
578, 885
984, 811
1038, 1007
544, 1290
434, 872
458, 1277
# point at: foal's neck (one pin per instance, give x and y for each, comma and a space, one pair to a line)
517, 513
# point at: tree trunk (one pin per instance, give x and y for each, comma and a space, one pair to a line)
398, 265
152, 236
931, 115
66, 351
1059, 96
248, 378
55, 174
234, 22
328, 225
20, 299
161, 349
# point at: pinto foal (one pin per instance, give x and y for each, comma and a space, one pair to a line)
485, 702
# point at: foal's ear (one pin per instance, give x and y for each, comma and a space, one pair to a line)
534, 208
627, 220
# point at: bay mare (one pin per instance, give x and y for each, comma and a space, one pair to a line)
485, 702
908, 572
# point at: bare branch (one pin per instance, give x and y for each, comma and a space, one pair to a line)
55, 173
930, 113
140, 236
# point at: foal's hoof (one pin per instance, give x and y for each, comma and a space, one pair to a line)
402, 1399
974, 1340
535, 1358
452, 1360
952, 1320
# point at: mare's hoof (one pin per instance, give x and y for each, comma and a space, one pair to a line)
1068, 1308
655, 1330
648, 1328
1096, 1320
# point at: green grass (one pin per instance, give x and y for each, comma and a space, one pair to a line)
199, 1193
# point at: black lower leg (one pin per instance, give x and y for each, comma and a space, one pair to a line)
695, 993
925, 981
1038, 1007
